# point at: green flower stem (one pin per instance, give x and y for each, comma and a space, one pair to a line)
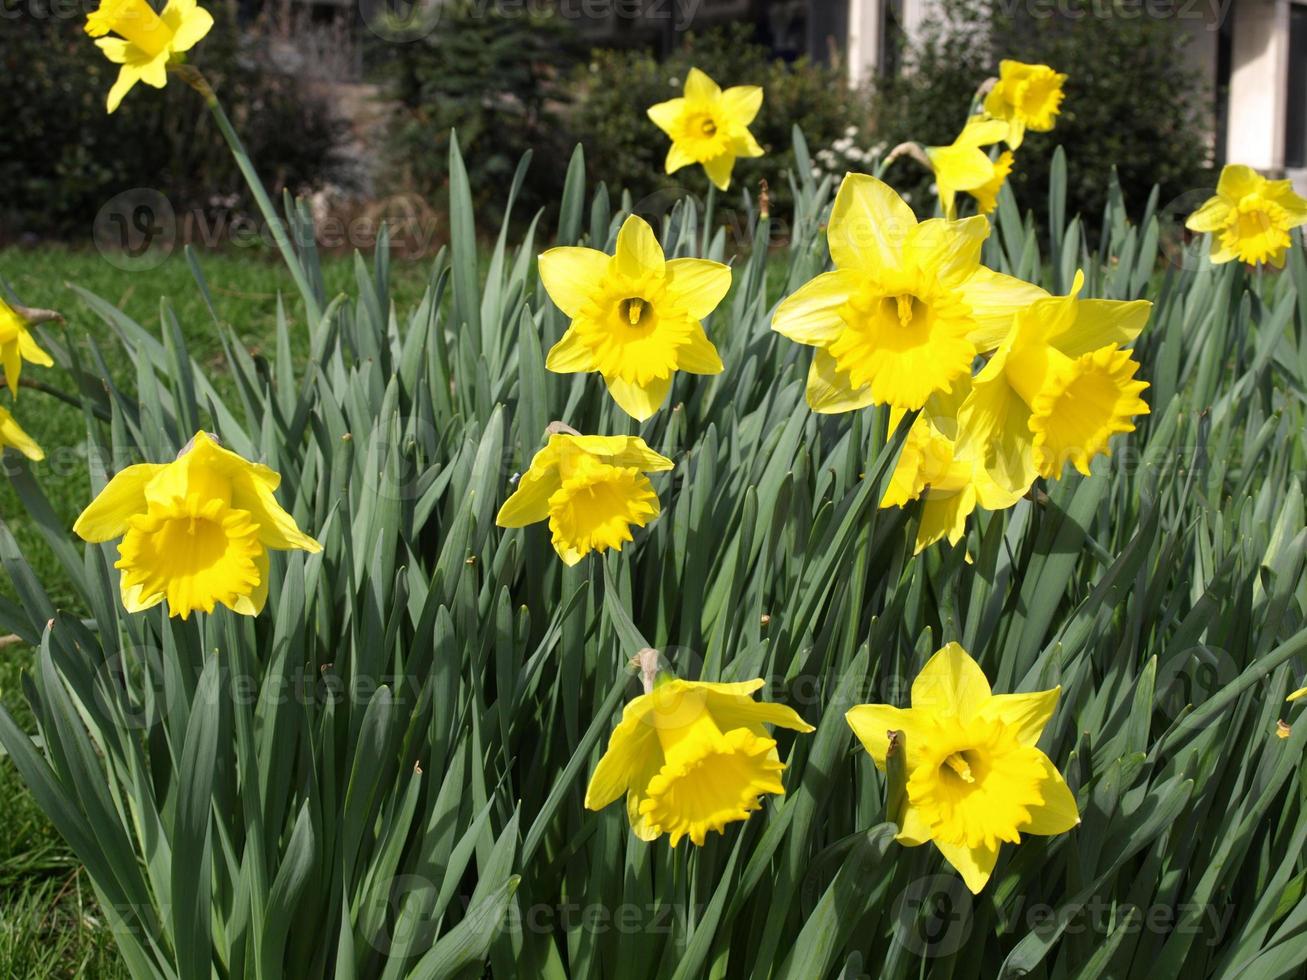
197, 81
708, 208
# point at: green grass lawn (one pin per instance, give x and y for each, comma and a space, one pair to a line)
49, 926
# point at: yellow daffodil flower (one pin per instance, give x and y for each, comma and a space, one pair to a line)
907, 308
965, 166
692, 757
195, 532
951, 483
1301, 692
16, 346
590, 489
1025, 97
146, 41
709, 126
635, 315
975, 778
1250, 217
12, 435
1057, 390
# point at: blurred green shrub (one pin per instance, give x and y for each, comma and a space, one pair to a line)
626, 150
64, 156
497, 77
1131, 102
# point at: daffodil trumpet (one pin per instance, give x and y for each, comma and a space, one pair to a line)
195, 532
709, 126
973, 777
591, 489
636, 316
1249, 217
691, 757
906, 309
1059, 388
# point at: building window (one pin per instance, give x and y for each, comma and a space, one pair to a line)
1295, 110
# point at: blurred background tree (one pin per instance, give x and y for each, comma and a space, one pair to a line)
64, 156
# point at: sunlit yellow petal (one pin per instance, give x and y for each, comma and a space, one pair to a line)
108, 515
951, 682
571, 275
869, 225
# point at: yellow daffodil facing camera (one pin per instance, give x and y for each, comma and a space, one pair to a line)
692, 757
1025, 97
1057, 390
952, 482
635, 315
709, 126
146, 41
1250, 217
907, 308
965, 166
590, 489
196, 531
12, 435
975, 778
17, 346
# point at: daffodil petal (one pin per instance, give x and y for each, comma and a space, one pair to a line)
995, 298
107, 516
952, 683
1100, 322
872, 723
698, 355
636, 400
719, 169
975, 864
869, 224
1059, 812
571, 274
697, 285
742, 103
1026, 713
638, 252
829, 390
811, 314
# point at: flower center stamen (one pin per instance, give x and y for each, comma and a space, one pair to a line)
633, 310
957, 762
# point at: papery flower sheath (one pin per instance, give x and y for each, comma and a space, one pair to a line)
691, 757
635, 315
975, 777
1025, 97
709, 126
1250, 217
146, 41
907, 308
195, 532
1058, 389
591, 490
